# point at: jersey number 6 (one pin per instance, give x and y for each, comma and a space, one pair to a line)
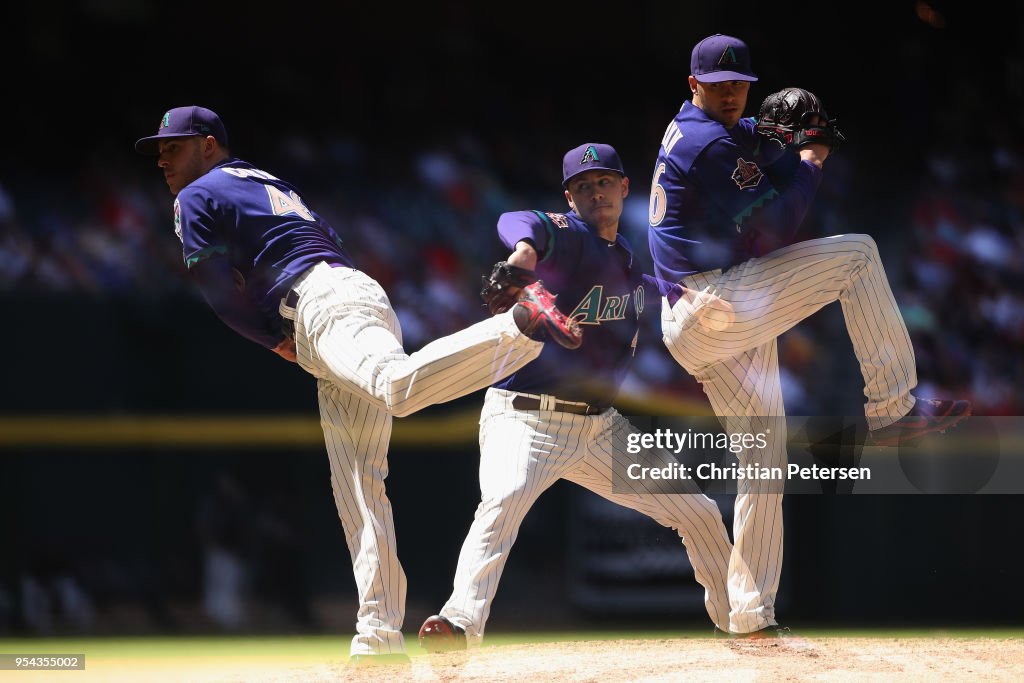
658, 206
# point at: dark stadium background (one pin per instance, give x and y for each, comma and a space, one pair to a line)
84, 80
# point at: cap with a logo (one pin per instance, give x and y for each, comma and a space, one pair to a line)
590, 156
182, 122
720, 58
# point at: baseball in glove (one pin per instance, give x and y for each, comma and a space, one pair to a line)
502, 287
795, 117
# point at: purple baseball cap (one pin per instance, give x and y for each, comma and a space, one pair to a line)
183, 122
720, 58
590, 156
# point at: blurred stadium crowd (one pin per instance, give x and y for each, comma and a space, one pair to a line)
953, 245
424, 227
941, 190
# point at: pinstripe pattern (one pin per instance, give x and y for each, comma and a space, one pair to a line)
739, 370
357, 433
521, 455
348, 337
347, 332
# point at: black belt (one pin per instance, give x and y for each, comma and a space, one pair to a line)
291, 300
521, 402
288, 328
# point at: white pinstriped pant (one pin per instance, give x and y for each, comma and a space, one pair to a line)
348, 337
739, 370
522, 453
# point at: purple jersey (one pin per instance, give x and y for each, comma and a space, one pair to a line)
719, 197
596, 283
246, 237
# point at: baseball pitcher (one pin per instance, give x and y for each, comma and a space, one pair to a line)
727, 198
553, 418
275, 272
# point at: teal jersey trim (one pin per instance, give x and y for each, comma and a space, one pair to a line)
551, 235
738, 218
204, 254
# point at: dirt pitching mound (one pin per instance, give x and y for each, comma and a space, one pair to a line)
641, 661
636, 661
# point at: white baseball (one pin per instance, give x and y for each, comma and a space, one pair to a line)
713, 312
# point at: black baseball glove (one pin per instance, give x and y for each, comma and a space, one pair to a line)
795, 117
502, 287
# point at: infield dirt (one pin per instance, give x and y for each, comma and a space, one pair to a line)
683, 659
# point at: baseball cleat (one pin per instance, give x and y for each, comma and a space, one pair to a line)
365, 661
773, 636
438, 634
536, 315
775, 631
927, 416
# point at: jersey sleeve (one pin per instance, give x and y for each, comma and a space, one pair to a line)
532, 226
195, 222
209, 265
779, 164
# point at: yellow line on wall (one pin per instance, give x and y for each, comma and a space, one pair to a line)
258, 431
206, 432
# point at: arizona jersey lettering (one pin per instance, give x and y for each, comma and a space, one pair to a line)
596, 281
